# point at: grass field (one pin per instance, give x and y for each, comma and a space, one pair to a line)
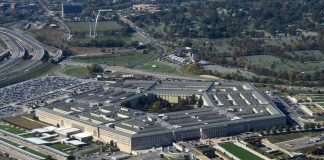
12, 130
102, 26
76, 71
24, 122
125, 60
160, 68
239, 152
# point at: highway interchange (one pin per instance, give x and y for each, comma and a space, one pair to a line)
18, 44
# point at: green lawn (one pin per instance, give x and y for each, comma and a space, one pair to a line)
125, 60
76, 71
29, 135
160, 68
239, 152
59, 146
102, 26
11, 129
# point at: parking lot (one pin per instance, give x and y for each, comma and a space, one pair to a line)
38, 92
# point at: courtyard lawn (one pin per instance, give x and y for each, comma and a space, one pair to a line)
29, 135
60, 146
239, 152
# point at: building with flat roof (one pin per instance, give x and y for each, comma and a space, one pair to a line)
228, 108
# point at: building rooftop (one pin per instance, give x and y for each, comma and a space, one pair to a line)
224, 103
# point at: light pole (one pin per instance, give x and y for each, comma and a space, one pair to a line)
96, 22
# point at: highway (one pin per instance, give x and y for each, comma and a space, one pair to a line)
17, 44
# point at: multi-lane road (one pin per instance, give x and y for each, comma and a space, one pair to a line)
18, 44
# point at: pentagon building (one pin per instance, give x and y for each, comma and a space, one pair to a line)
228, 108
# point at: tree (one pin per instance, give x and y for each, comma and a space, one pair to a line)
187, 43
192, 99
95, 68
111, 143
312, 126
200, 102
26, 55
156, 106
318, 125
274, 129
288, 130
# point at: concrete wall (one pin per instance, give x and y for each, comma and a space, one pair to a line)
123, 142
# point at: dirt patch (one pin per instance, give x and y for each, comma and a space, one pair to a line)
53, 37
98, 51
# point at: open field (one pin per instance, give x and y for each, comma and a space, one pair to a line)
24, 122
226, 70
83, 51
76, 71
285, 65
125, 60
53, 37
239, 152
160, 68
101, 26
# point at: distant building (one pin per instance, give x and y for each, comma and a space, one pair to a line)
195, 57
229, 108
146, 8
71, 9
